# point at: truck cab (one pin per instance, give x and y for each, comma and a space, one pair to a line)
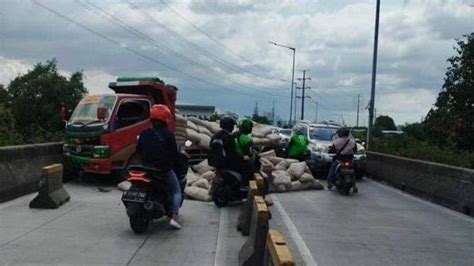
102, 132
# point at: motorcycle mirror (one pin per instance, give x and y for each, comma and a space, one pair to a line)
188, 143
62, 113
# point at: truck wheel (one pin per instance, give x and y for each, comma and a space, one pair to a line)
122, 174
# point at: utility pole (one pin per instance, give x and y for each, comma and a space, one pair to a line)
292, 76
374, 73
358, 102
273, 113
303, 88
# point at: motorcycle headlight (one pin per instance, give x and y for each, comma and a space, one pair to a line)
101, 152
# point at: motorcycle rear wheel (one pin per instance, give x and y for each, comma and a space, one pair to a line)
219, 198
139, 224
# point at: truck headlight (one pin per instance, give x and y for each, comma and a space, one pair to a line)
101, 151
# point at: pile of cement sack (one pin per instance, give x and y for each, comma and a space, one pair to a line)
282, 174
287, 174
200, 132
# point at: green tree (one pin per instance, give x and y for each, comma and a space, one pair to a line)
383, 122
37, 97
261, 119
451, 120
4, 97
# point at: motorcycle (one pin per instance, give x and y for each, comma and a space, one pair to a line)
148, 197
345, 177
227, 188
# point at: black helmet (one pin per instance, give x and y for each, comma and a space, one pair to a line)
227, 123
343, 132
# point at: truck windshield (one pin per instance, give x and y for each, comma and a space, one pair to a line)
86, 110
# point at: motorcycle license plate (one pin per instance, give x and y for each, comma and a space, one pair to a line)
134, 196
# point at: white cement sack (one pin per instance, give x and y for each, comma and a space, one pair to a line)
274, 138
290, 161
297, 185
124, 185
180, 119
281, 180
267, 166
213, 127
197, 121
296, 170
209, 175
202, 167
202, 183
282, 166
276, 160
316, 185
204, 130
197, 193
193, 135
191, 177
261, 141
306, 178
268, 154
204, 141
192, 126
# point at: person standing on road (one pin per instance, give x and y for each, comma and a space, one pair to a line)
298, 146
222, 154
157, 148
344, 147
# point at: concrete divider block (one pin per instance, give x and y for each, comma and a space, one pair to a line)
243, 222
260, 183
51, 191
253, 250
277, 252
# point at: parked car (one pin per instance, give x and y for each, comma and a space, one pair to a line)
320, 137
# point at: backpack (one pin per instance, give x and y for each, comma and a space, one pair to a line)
216, 156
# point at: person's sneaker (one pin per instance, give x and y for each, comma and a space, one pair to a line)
329, 186
355, 189
175, 224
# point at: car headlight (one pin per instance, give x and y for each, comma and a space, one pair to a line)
101, 151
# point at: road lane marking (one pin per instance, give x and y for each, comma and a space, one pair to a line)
428, 203
221, 246
297, 239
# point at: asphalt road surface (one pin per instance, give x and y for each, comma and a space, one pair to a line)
375, 227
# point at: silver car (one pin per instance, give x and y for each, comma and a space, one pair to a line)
320, 139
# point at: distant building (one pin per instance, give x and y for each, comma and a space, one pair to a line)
199, 111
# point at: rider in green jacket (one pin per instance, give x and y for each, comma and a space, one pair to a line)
249, 160
298, 146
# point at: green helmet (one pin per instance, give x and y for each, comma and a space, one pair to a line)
246, 126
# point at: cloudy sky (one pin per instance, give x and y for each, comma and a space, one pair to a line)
217, 51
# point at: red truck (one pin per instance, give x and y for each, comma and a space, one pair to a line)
101, 134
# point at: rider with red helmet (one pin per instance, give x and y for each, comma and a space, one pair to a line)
157, 148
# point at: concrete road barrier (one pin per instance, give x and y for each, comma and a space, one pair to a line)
260, 183
51, 192
253, 250
446, 185
277, 252
243, 222
20, 167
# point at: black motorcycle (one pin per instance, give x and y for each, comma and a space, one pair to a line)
345, 177
149, 196
227, 187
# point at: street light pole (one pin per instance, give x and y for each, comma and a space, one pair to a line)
292, 77
374, 72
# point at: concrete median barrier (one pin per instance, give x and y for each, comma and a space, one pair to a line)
253, 250
277, 252
20, 167
243, 222
51, 191
446, 185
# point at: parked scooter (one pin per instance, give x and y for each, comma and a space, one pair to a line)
345, 177
149, 196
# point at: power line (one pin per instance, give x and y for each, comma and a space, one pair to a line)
133, 50
155, 43
211, 37
197, 47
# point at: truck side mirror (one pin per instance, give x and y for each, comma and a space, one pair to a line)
62, 113
101, 111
